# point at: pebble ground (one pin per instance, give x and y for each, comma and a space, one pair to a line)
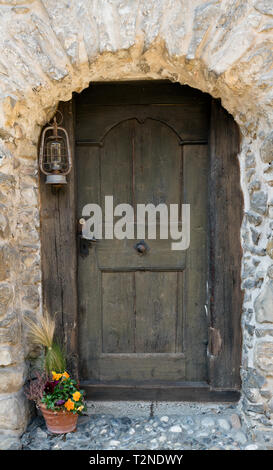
216, 429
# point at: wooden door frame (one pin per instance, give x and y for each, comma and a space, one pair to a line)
59, 252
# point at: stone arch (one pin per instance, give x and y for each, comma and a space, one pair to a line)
53, 49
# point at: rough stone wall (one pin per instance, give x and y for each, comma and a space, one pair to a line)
50, 49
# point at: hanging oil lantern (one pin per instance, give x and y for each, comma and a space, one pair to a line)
55, 154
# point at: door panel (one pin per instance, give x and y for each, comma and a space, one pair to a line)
142, 317
115, 255
157, 164
118, 322
156, 312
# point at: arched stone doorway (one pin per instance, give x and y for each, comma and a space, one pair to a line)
166, 325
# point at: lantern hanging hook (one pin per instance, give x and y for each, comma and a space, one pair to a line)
53, 121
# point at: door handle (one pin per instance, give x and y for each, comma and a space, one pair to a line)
84, 243
141, 247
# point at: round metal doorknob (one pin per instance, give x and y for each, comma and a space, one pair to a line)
141, 247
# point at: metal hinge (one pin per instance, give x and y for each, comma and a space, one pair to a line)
215, 341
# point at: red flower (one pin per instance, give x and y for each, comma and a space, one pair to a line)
49, 386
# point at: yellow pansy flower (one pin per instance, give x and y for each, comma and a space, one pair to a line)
69, 405
56, 376
80, 408
76, 396
66, 375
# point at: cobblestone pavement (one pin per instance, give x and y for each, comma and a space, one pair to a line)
218, 428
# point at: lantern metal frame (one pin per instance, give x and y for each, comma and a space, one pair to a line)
58, 177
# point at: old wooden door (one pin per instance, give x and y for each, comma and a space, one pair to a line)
142, 318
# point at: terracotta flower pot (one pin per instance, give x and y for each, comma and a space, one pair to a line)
59, 422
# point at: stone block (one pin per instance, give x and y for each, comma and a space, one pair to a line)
250, 161
7, 182
254, 218
252, 394
6, 358
4, 226
235, 421
31, 298
13, 412
10, 442
264, 356
270, 271
252, 378
5, 298
269, 248
262, 332
10, 355
8, 318
255, 235
10, 334
270, 405
254, 186
4, 262
266, 150
264, 6
258, 202
263, 304
12, 378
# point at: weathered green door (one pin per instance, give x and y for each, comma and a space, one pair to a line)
142, 317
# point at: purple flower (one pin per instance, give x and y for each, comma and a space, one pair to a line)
59, 402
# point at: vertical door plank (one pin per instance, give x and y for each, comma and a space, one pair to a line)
89, 279
226, 208
59, 254
195, 164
